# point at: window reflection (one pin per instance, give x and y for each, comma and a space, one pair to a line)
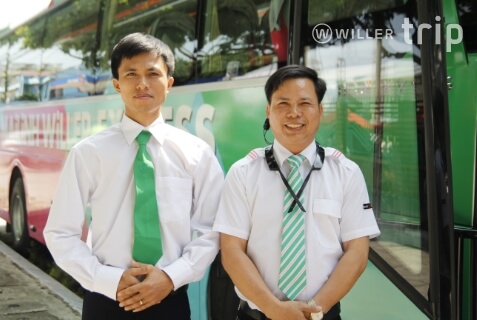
236, 41
330, 10
173, 22
65, 54
52, 58
467, 10
373, 113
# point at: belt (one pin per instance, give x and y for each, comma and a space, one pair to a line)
257, 315
252, 313
177, 292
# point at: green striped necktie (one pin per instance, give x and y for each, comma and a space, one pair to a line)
147, 246
292, 278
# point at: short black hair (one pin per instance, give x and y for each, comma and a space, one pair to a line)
294, 71
137, 43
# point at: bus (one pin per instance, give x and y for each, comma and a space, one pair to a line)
401, 103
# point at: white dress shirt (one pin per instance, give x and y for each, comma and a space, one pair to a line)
251, 208
99, 172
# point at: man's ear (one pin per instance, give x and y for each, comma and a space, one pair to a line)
116, 85
170, 82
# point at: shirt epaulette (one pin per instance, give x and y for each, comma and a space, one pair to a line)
252, 155
333, 153
336, 155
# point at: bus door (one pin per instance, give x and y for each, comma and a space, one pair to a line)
385, 77
460, 30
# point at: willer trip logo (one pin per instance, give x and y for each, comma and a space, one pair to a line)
323, 33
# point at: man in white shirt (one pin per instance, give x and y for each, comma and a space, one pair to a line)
99, 172
337, 218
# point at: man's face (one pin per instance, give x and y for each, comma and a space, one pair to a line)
143, 84
295, 114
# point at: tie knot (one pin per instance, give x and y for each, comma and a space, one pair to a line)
143, 137
296, 160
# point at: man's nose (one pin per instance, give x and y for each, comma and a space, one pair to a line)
142, 83
294, 110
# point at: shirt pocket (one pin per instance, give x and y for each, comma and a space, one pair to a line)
327, 216
175, 198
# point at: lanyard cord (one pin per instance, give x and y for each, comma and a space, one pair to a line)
296, 197
273, 166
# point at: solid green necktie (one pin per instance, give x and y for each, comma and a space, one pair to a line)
147, 246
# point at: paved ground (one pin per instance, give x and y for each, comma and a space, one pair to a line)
27, 293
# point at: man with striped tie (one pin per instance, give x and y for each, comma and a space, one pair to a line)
294, 217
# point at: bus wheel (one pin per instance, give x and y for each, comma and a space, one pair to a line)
18, 216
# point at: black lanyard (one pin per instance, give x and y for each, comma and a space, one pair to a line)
273, 165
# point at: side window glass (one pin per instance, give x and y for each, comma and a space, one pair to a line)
467, 10
236, 41
52, 58
170, 21
373, 112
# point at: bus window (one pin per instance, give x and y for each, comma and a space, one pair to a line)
75, 40
467, 10
330, 10
171, 21
373, 113
236, 41
54, 57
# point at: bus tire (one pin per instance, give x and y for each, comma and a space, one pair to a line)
18, 217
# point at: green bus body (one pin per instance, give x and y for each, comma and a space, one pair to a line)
401, 103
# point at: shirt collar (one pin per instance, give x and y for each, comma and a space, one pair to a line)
131, 129
281, 153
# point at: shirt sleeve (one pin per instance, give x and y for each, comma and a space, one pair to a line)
198, 254
358, 218
64, 229
233, 216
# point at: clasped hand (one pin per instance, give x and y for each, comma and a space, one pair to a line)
296, 310
142, 286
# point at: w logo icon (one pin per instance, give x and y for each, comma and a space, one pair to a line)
322, 33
